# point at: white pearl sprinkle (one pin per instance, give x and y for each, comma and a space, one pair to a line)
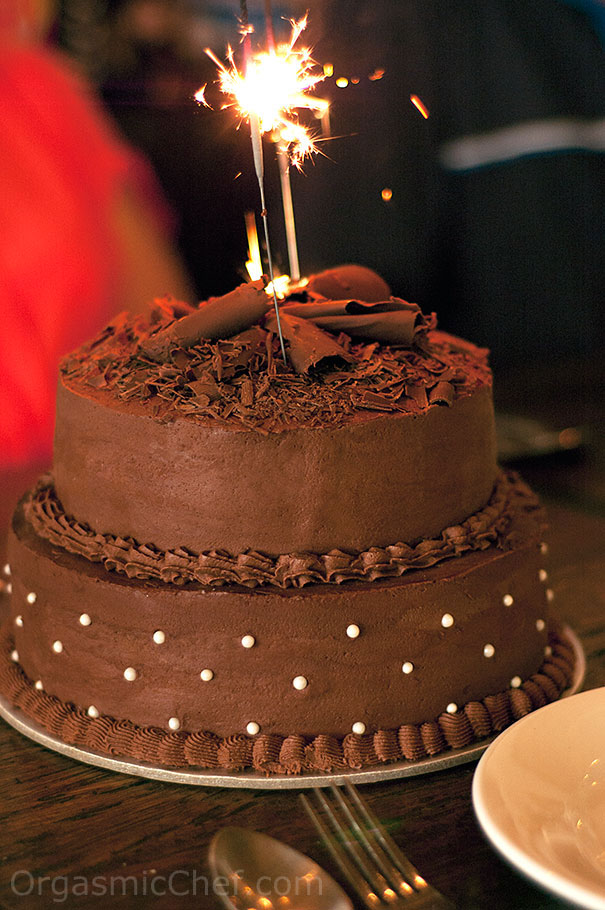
19, 621
57, 646
32, 597
207, 675
508, 600
300, 682
6, 568
543, 548
547, 651
452, 707
174, 723
543, 575
15, 656
252, 728
540, 625
159, 637
8, 588
550, 595
407, 667
447, 620
92, 711
359, 728
353, 630
130, 674
38, 685
488, 650
248, 641
516, 682
85, 619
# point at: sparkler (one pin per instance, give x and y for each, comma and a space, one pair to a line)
274, 85
259, 167
290, 224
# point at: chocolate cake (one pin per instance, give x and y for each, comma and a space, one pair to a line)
306, 565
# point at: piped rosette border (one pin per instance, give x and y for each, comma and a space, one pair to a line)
215, 568
294, 754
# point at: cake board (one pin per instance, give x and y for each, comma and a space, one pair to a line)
255, 780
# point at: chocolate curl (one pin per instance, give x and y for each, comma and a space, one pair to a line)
393, 321
352, 281
218, 317
309, 345
442, 393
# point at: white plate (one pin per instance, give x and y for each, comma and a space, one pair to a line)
539, 795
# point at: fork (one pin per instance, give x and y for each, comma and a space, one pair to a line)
369, 859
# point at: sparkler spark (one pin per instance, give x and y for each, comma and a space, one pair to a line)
274, 86
200, 95
420, 105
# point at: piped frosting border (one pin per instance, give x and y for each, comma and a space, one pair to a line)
215, 568
293, 754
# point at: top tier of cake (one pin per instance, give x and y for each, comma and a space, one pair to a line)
220, 446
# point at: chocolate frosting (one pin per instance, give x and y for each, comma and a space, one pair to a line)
215, 568
410, 742
291, 754
456, 729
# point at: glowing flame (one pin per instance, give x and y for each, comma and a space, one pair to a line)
274, 86
254, 264
420, 105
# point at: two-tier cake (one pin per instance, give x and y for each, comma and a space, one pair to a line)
240, 562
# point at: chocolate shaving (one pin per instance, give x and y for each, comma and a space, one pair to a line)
393, 321
309, 346
442, 393
247, 394
205, 385
218, 317
417, 392
205, 380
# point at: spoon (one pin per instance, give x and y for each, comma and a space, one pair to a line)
253, 870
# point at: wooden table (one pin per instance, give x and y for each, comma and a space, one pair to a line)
70, 822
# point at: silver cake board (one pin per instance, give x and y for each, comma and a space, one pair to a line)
257, 780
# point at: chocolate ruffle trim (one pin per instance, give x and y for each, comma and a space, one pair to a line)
214, 568
274, 754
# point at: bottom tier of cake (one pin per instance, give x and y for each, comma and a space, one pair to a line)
274, 754
320, 677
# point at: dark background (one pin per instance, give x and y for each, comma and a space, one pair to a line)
511, 256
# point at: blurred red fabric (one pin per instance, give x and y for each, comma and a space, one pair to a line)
61, 171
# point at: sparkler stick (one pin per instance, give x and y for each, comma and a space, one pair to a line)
273, 85
269, 26
257, 152
283, 160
